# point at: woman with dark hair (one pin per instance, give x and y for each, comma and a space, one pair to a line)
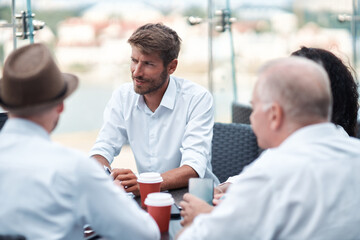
343, 87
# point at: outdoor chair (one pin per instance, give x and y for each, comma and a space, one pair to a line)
241, 113
3, 118
234, 146
358, 129
12, 237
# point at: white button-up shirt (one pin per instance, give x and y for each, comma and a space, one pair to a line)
307, 188
50, 192
178, 133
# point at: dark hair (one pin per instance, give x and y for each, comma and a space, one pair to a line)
343, 87
151, 38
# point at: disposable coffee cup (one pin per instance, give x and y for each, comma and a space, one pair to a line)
148, 183
159, 207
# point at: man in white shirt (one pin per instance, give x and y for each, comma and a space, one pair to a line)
167, 121
48, 191
306, 186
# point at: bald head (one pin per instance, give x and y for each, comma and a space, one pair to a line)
300, 86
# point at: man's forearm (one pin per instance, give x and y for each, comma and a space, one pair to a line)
178, 177
102, 160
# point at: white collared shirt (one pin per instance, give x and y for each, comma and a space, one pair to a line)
234, 179
178, 133
50, 192
307, 188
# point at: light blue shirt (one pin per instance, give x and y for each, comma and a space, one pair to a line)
178, 133
307, 188
50, 192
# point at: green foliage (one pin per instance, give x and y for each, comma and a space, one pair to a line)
79, 67
5, 13
50, 17
195, 11
323, 19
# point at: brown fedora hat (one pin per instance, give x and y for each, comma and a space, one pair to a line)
32, 82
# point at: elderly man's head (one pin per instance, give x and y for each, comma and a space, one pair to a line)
290, 93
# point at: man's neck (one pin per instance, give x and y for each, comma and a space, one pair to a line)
153, 99
38, 120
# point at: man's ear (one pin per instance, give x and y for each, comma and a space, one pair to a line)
60, 107
172, 66
276, 116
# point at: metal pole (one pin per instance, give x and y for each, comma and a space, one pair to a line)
30, 21
210, 46
354, 32
233, 68
13, 22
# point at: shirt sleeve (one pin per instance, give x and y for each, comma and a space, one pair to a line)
196, 142
233, 179
113, 133
236, 178
245, 213
108, 210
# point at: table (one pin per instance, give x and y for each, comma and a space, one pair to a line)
177, 194
174, 226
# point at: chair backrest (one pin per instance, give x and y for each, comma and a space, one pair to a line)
241, 113
3, 118
12, 237
234, 146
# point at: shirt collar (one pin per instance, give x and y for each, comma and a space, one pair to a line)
140, 102
168, 100
23, 126
312, 133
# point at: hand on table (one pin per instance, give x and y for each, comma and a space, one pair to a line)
191, 207
128, 180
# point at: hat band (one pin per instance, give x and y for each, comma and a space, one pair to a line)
61, 94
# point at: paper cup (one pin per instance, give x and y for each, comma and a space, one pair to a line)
159, 207
148, 183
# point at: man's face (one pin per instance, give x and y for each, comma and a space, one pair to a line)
260, 122
148, 72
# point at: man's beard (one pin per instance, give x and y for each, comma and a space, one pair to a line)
153, 86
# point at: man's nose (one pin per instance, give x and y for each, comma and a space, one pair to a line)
137, 70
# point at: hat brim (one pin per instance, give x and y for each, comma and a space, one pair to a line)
72, 83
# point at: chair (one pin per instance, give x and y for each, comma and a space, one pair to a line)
358, 129
241, 113
12, 237
234, 146
3, 118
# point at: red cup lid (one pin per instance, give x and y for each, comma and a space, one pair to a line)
150, 177
159, 199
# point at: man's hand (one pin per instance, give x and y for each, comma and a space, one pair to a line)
222, 188
128, 180
191, 207
218, 198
